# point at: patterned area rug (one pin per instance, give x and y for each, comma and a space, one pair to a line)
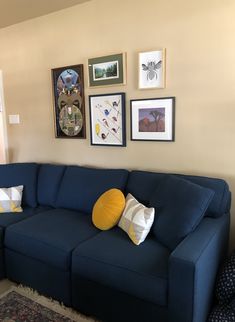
21, 304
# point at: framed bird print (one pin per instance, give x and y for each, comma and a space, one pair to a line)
152, 69
107, 119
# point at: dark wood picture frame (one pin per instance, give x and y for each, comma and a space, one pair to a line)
69, 102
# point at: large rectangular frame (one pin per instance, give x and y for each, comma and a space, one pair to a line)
107, 119
69, 102
153, 119
107, 70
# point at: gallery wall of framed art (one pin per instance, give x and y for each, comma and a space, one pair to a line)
151, 119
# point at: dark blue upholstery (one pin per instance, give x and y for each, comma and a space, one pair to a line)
192, 270
110, 305
62, 255
111, 259
142, 184
81, 187
51, 236
49, 179
25, 174
221, 201
179, 206
2, 266
9, 218
40, 276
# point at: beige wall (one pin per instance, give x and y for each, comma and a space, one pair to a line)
199, 41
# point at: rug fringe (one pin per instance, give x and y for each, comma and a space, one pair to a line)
50, 303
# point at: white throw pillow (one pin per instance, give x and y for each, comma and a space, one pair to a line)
136, 220
10, 199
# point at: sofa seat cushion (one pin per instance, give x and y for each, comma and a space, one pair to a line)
81, 186
10, 218
51, 236
111, 259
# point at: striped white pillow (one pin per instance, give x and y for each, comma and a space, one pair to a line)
10, 199
136, 220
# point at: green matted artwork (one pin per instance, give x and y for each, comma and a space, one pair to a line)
107, 70
69, 104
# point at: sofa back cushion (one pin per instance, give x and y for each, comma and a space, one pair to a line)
179, 206
142, 183
49, 180
81, 186
17, 174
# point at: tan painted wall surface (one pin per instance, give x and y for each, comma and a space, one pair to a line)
199, 41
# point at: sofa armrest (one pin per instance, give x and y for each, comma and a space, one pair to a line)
193, 266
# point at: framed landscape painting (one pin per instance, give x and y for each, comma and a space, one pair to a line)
107, 119
107, 70
151, 69
153, 119
69, 105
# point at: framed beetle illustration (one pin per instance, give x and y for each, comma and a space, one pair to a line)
152, 69
69, 105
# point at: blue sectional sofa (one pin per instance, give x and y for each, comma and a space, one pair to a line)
53, 246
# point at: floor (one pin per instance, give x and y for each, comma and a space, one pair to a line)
5, 285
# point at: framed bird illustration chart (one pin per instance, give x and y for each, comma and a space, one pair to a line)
69, 106
107, 119
152, 69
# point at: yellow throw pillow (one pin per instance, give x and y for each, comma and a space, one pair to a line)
108, 209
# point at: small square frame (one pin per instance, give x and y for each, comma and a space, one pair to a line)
153, 119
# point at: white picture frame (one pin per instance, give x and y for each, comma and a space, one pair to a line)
153, 119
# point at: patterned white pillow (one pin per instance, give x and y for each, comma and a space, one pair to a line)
10, 199
136, 220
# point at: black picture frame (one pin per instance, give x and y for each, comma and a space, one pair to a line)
108, 119
69, 102
153, 119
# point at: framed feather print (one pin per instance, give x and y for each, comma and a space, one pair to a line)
152, 69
